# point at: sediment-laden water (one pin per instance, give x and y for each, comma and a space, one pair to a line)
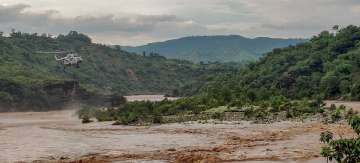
59, 135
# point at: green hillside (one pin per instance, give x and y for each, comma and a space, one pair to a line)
328, 66
32, 79
232, 48
291, 81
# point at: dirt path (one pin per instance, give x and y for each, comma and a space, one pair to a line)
59, 136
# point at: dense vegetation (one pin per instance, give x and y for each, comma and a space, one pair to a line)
231, 48
190, 109
25, 74
343, 150
326, 67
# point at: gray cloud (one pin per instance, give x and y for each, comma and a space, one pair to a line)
142, 21
290, 18
134, 25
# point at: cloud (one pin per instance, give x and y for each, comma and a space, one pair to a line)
306, 17
129, 25
142, 21
290, 18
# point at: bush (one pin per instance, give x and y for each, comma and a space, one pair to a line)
332, 107
102, 116
157, 119
249, 112
350, 113
217, 115
6, 97
86, 119
343, 150
336, 115
86, 112
117, 100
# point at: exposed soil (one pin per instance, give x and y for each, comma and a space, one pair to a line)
60, 137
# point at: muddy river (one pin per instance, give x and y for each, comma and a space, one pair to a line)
58, 136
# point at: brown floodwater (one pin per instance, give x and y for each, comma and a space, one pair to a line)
36, 136
59, 135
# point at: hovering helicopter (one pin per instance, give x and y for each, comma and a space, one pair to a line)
69, 58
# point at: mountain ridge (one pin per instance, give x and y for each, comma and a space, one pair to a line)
222, 48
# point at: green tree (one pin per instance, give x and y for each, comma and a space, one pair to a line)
343, 150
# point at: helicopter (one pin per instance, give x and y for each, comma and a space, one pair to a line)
69, 59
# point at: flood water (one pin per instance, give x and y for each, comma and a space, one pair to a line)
56, 135
33, 136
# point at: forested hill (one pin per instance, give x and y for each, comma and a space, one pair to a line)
215, 48
36, 80
328, 66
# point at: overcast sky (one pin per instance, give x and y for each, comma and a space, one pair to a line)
135, 22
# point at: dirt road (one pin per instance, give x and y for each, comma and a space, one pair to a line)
59, 135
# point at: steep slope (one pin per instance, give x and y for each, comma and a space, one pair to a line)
32, 79
328, 66
214, 48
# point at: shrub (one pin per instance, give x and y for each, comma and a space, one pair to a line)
157, 119
350, 113
104, 116
6, 97
216, 115
86, 112
332, 107
336, 115
249, 112
86, 119
343, 150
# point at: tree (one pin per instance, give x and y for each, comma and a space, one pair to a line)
355, 91
117, 100
15, 34
343, 150
118, 47
330, 84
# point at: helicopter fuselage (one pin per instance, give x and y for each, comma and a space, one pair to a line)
69, 60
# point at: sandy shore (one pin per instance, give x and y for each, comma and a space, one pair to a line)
59, 135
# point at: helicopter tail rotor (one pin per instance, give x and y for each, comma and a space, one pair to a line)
56, 58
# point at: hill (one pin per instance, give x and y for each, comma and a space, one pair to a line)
32, 80
327, 67
285, 83
232, 48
